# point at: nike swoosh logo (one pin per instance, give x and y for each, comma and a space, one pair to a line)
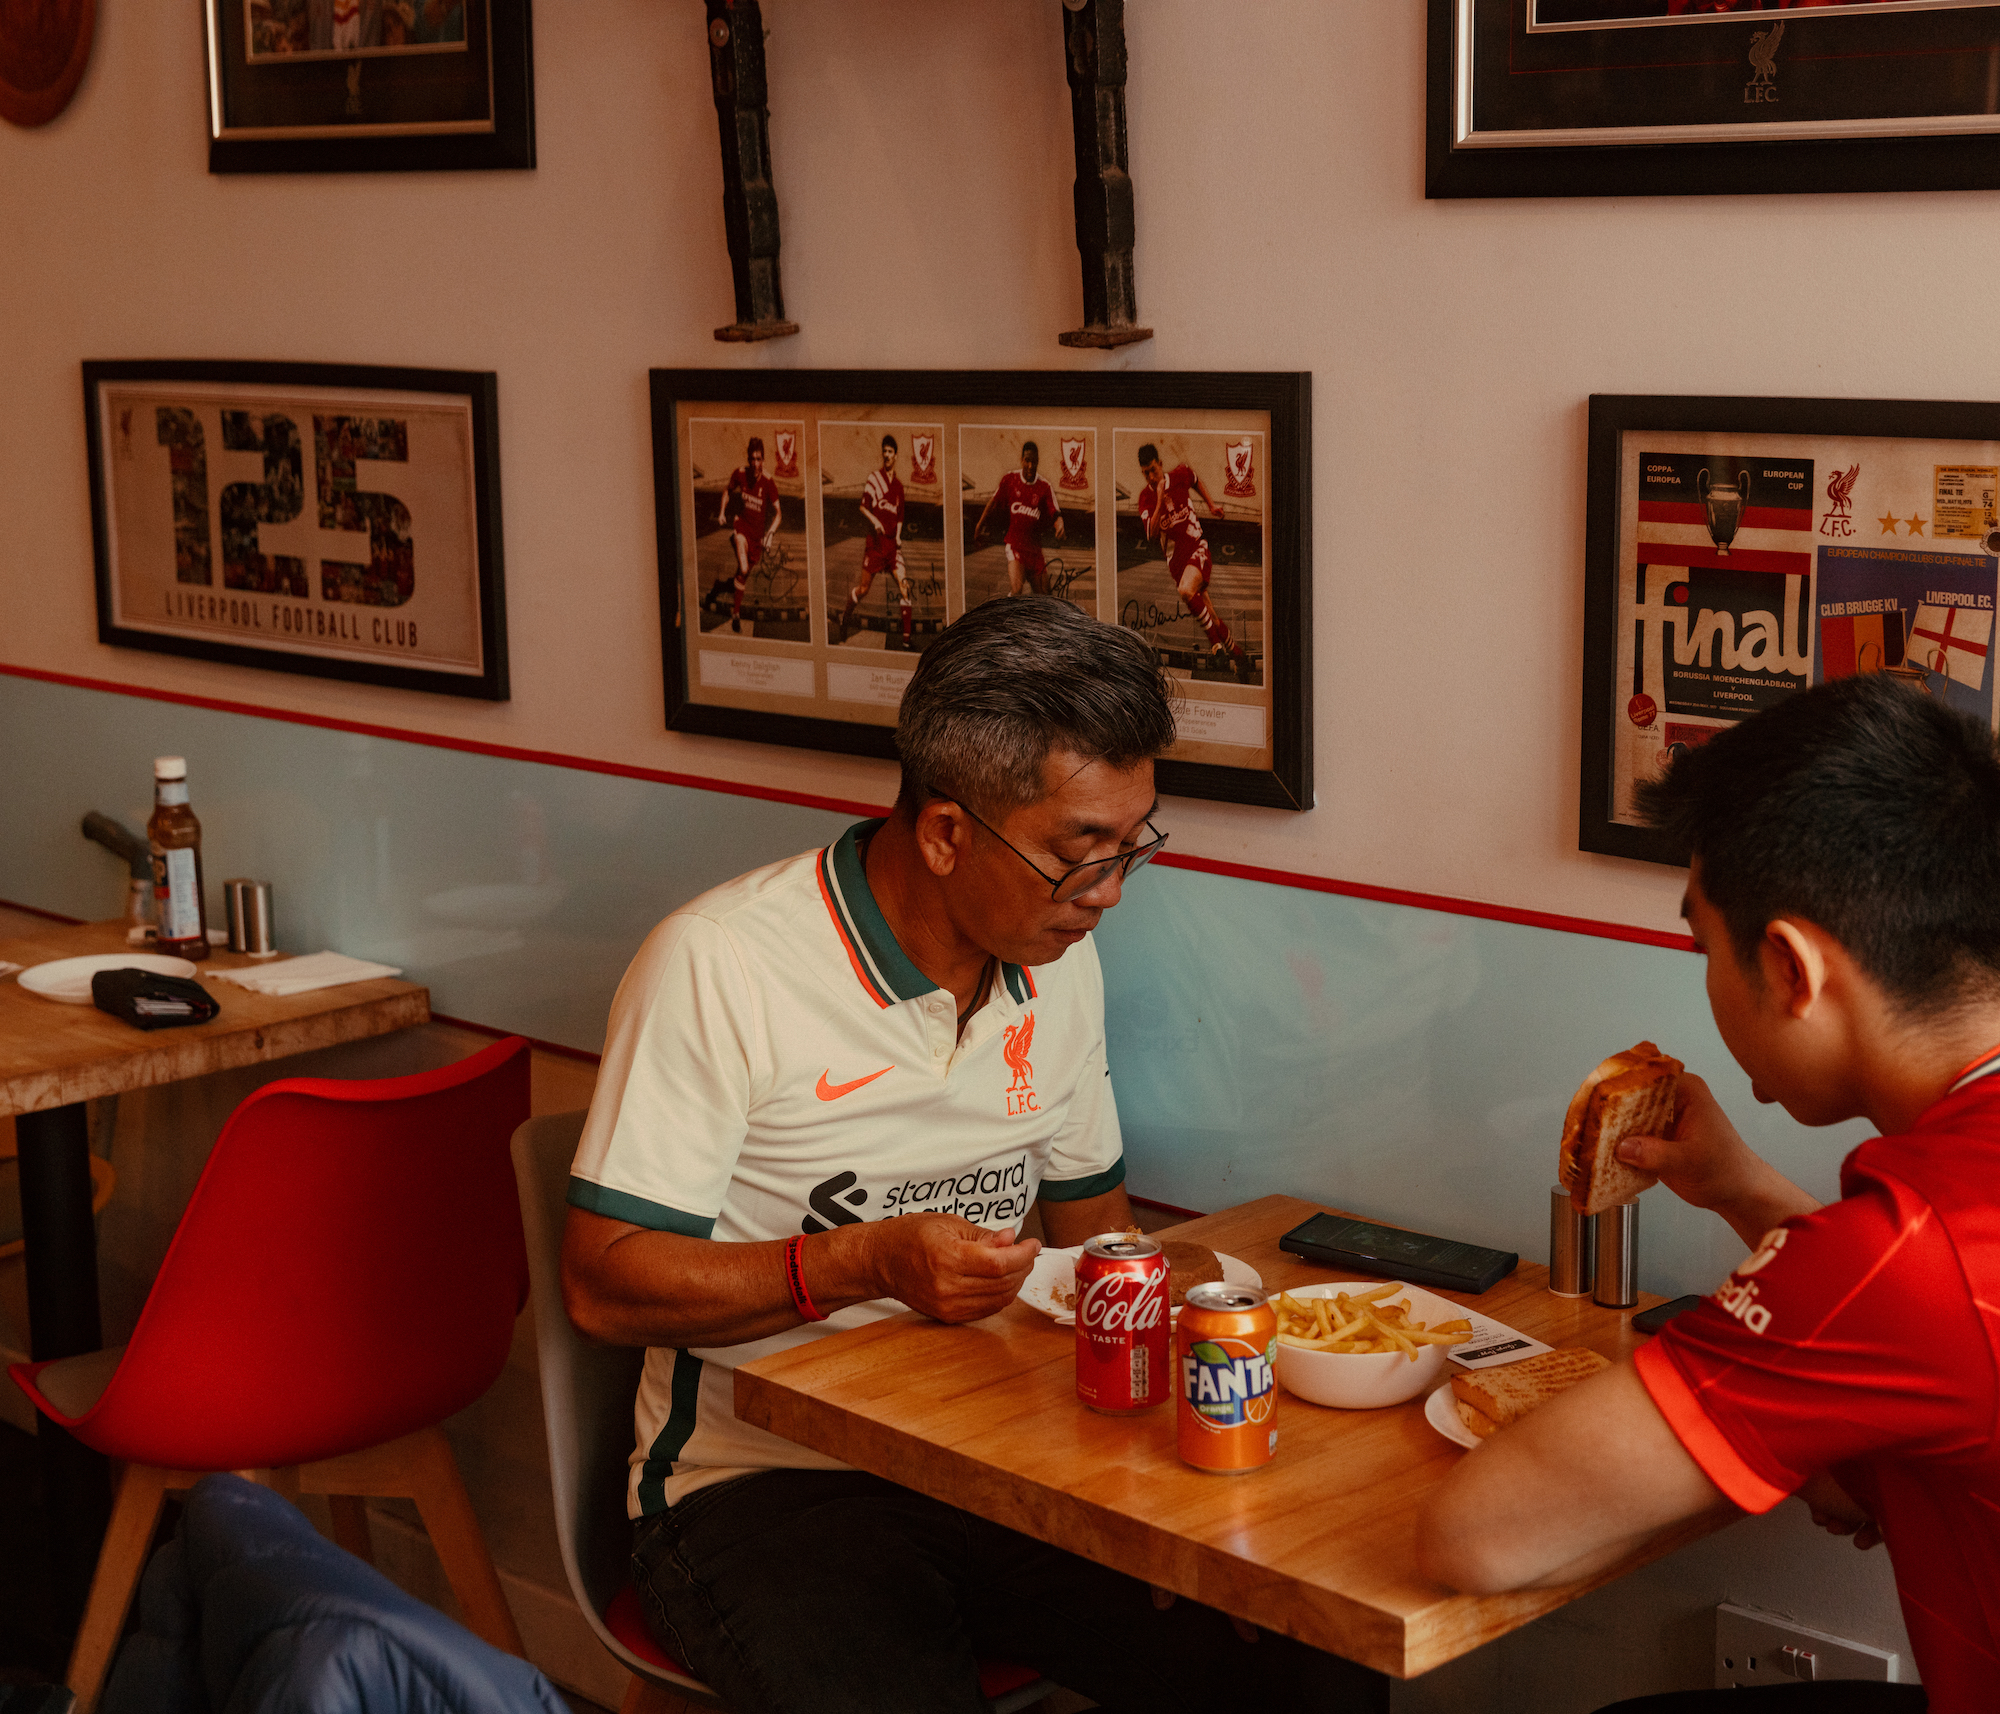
833, 1091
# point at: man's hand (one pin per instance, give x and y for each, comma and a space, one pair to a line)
1836, 1511
949, 1268
1059, 527
1707, 1164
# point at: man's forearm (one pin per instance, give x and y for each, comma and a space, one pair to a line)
1763, 1198
1066, 1224
639, 1287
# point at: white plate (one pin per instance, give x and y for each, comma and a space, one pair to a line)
68, 979
1442, 1414
1058, 1268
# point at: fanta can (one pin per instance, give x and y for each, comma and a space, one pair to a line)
1225, 1421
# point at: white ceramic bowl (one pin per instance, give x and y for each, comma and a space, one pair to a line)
1358, 1381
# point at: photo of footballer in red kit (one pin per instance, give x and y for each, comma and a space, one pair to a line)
881, 499
750, 527
1028, 500
1190, 568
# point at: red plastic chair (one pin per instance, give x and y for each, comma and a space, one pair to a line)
346, 1276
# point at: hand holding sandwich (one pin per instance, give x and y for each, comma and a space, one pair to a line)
1706, 1163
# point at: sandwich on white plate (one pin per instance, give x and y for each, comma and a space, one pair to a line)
1489, 1399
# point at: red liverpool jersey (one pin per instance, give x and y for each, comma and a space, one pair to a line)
1179, 530
1029, 505
754, 503
883, 495
1864, 1340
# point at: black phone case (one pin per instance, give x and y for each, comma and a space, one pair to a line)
1472, 1267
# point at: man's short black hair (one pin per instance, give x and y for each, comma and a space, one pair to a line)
889, 441
1147, 454
756, 445
1865, 807
1030, 450
1006, 683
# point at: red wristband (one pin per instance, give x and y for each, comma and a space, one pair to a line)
795, 1278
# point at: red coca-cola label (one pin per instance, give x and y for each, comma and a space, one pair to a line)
1122, 1326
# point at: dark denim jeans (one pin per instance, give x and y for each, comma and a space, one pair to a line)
821, 1591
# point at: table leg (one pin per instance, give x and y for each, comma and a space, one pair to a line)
63, 1321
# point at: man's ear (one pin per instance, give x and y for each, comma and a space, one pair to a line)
1794, 966
941, 825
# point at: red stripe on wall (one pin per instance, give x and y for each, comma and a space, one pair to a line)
806, 800
1693, 512
1434, 902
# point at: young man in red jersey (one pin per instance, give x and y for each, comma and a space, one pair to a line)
1026, 501
750, 505
1845, 888
1167, 511
882, 512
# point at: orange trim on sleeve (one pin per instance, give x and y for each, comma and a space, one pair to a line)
1706, 1444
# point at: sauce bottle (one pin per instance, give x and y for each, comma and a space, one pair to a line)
175, 838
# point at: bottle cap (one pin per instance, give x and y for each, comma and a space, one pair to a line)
170, 768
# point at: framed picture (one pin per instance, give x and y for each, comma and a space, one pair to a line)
818, 528
352, 86
1693, 97
303, 517
1738, 550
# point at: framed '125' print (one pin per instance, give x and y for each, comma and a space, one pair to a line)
336, 520
1739, 550
819, 528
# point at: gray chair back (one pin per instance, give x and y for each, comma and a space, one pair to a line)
587, 1394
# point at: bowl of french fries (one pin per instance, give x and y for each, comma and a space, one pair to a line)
1358, 1346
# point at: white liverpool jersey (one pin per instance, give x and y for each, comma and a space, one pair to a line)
775, 1064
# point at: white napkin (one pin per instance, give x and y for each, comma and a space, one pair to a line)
302, 975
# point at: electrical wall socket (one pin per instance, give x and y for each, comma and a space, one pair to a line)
1762, 1648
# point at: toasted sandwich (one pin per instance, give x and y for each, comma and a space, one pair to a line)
1630, 1095
1488, 1399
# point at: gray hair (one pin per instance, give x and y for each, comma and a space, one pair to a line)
1014, 679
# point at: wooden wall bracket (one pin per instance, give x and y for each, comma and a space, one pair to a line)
749, 200
1094, 61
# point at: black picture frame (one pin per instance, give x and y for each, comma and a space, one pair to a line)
1281, 398
470, 397
1869, 433
1880, 101
373, 110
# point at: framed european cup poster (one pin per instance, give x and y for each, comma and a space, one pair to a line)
340, 521
819, 528
1738, 550
1699, 97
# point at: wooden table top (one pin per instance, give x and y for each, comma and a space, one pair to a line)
1318, 1544
52, 1054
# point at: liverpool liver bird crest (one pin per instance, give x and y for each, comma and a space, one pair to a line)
1015, 1051
1840, 485
1764, 52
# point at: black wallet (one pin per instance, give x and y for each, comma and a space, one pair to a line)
150, 1002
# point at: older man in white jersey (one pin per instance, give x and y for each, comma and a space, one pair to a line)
813, 1113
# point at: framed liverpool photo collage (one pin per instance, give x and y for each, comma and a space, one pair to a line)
1738, 550
336, 520
819, 528
1696, 97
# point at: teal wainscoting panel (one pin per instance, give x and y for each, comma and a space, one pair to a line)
517, 891
1410, 1065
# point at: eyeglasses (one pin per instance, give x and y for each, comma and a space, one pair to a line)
1085, 877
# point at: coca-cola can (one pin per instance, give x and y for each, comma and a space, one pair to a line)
1122, 1328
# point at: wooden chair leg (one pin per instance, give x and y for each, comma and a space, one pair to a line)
350, 1525
134, 1516
646, 1697
420, 1467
